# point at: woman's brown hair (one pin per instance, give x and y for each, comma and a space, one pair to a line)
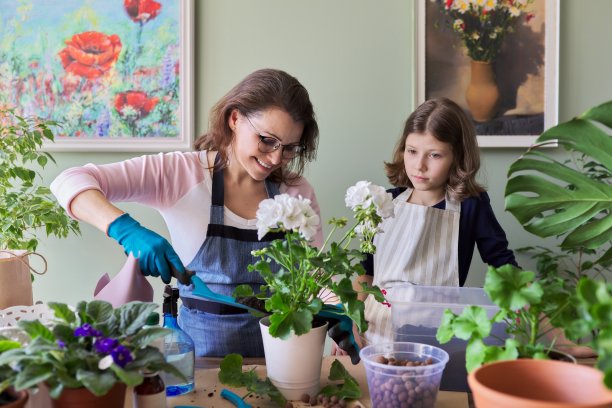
260, 90
448, 123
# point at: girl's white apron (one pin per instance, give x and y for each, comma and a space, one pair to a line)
418, 246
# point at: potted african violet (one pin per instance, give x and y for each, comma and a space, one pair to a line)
87, 354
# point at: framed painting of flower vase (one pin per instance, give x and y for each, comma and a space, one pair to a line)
116, 75
498, 59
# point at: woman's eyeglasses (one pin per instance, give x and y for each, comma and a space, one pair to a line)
268, 144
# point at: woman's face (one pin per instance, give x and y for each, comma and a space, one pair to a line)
427, 162
263, 131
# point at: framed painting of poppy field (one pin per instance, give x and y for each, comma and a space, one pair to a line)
117, 75
498, 60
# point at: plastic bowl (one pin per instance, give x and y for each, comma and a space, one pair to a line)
399, 385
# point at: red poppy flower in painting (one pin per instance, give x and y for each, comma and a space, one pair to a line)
90, 54
134, 104
141, 11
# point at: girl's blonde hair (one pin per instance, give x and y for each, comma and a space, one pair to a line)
448, 123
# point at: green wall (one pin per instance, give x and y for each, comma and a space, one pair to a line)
356, 59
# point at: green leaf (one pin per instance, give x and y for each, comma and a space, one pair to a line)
231, 374
474, 354
35, 328
99, 383
472, 323
32, 375
348, 389
497, 353
512, 288
8, 345
446, 331
231, 371
550, 198
133, 315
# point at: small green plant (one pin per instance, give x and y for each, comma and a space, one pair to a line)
523, 303
291, 295
93, 346
25, 205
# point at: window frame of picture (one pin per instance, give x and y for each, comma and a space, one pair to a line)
551, 75
184, 140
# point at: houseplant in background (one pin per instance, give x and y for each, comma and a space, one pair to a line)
91, 351
309, 276
572, 200
27, 208
482, 27
9, 398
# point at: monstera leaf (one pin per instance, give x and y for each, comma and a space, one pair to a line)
551, 198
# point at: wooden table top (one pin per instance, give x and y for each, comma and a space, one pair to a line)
208, 388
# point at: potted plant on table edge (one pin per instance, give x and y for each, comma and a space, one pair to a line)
550, 198
26, 206
309, 276
92, 349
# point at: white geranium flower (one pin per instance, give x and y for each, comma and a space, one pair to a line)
290, 213
358, 195
311, 224
367, 228
269, 214
364, 194
383, 202
293, 211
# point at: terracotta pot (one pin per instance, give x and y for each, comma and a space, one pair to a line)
528, 383
82, 397
482, 94
21, 397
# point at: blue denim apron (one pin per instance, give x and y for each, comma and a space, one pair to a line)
221, 263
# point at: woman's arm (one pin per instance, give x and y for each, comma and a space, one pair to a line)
92, 207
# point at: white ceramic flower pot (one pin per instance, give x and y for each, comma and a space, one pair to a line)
294, 365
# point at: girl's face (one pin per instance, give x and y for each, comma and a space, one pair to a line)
427, 162
261, 132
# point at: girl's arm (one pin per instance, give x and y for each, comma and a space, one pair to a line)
357, 285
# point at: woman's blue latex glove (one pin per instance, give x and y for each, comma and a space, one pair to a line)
155, 254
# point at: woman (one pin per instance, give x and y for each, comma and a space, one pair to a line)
261, 134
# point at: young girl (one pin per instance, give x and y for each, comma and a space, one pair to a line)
262, 133
441, 212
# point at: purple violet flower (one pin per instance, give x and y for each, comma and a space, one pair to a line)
105, 345
121, 356
61, 344
87, 330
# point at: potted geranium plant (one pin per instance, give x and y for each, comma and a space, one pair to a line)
91, 349
27, 208
522, 301
292, 296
